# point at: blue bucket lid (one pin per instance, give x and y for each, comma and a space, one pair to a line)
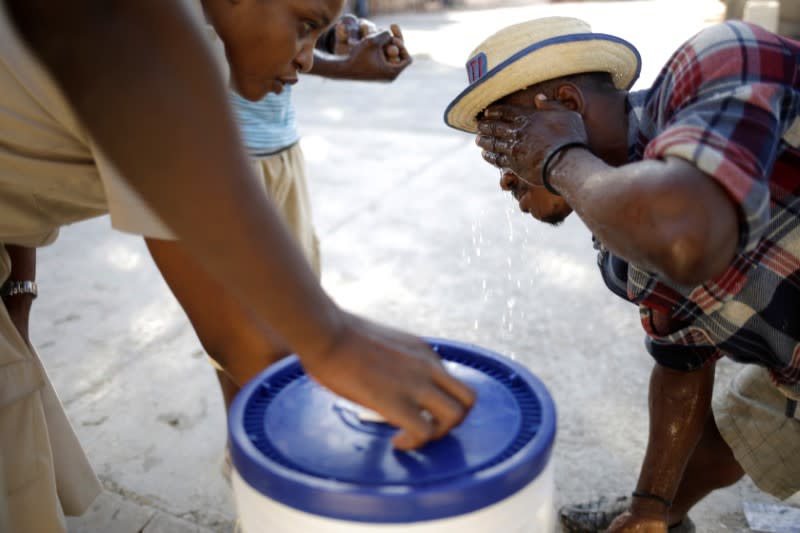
298, 444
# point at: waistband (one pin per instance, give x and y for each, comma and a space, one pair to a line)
259, 154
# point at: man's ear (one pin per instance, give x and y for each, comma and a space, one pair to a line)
571, 97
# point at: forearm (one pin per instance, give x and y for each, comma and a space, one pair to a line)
231, 334
666, 216
332, 66
171, 134
680, 404
23, 262
23, 268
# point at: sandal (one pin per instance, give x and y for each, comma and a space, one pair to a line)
595, 516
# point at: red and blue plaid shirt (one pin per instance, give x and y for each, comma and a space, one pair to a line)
728, 101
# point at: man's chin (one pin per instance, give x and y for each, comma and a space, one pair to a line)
553, 219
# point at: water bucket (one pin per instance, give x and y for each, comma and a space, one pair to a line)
306, 460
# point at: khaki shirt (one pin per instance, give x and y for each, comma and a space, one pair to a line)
51, 174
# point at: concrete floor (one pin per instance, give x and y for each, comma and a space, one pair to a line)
416, 233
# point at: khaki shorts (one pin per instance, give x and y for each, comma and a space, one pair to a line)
44, 473
284, 178
751, 417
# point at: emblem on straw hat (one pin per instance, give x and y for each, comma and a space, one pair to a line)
531, 52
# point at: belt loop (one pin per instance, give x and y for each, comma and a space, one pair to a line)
791, 407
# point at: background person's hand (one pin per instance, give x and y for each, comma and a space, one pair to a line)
396, 51
372, 55
396, 375
349, 30
518, 138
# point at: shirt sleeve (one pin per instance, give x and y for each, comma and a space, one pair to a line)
129, 213
722, 107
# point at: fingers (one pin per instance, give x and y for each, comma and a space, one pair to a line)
351, 24
392, 53
395, 29
493, 144
380, 39
439, 410
411, 438
455, 388
501, 112
496, 128
399, 42
498, 160
366, 28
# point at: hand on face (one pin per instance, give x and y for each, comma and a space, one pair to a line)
373, 55
518, 138
396, 375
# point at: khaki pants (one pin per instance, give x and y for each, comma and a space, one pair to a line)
284, 178
751, 417
44, 473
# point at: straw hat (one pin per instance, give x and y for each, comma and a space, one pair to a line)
531, 52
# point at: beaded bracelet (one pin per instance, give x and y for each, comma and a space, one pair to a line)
641, 494
551, 155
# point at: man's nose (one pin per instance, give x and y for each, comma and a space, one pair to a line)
508, 181
304, 59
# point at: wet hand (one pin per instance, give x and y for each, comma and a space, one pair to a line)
517, 139
396, 375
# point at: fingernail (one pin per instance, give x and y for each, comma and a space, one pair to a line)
541, 97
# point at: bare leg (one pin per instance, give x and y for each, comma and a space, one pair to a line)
712, 466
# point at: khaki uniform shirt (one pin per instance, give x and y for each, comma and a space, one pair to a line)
51, 174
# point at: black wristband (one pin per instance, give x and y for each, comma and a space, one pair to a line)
554, 151
641, 494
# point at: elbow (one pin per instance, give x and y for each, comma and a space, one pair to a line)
688, 260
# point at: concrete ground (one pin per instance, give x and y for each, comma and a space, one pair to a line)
416, 233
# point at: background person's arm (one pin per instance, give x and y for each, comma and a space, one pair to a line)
142, 80
23, 268
355, 50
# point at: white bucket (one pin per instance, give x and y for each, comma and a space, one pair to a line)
307, 461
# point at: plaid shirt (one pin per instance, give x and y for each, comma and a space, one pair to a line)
728, 101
